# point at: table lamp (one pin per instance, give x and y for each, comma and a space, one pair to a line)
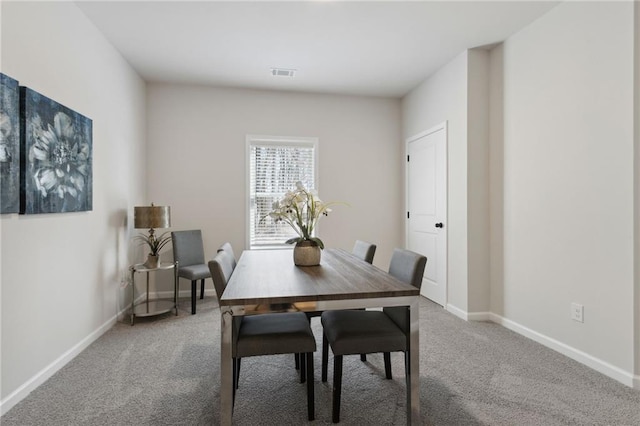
152, 217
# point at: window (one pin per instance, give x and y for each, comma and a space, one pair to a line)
275, 164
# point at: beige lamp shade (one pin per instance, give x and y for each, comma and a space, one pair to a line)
151, 217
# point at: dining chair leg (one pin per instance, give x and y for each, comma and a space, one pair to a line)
407, 373
193, 297
303, 368
311, 404
363, 357
325, 356
337, 387
297, 359
235, 378
202, 288
387, 365
407, 365
237, 372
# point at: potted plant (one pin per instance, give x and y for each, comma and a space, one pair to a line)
301, 209
155, 245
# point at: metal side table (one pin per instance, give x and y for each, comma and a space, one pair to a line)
158, 306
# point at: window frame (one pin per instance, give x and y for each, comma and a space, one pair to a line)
294, 141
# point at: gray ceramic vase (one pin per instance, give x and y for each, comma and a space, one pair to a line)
306, 253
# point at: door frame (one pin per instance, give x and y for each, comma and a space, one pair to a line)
442, 126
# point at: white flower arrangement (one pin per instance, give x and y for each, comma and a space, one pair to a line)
301, 209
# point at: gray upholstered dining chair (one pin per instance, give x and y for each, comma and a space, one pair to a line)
351, 332
226, 247
188, 251
364, 250
267, 334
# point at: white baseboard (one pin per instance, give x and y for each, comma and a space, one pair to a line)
457, 312
597, 364
30, 385
479, 316
469, 316
39, 378
616, 373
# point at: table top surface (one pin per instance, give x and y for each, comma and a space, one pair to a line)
270, 276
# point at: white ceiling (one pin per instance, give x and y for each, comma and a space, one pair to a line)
349, 47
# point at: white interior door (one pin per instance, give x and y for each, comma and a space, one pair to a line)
427, 207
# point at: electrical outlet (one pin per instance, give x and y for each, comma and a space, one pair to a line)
577, 312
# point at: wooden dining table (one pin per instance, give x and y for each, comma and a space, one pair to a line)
267, 281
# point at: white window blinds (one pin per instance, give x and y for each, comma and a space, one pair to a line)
275, 165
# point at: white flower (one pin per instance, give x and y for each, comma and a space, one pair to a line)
301, 209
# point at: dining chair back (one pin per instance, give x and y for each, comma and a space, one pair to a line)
188, 251
364, 250
407, 266
221, 271
227, 248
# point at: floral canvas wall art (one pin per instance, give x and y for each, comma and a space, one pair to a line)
57, 146
9, 145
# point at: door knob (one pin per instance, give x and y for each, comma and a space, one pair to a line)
439, 225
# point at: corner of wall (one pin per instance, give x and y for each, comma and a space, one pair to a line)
478, 206
496, 178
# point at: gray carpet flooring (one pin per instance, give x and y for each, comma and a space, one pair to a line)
165, 371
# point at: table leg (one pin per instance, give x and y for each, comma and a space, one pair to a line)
413, 378
226, 367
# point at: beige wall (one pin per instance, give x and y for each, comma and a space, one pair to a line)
568, 178
197, 160
61, 273
560, 185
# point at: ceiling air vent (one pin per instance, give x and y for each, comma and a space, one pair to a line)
282, 72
